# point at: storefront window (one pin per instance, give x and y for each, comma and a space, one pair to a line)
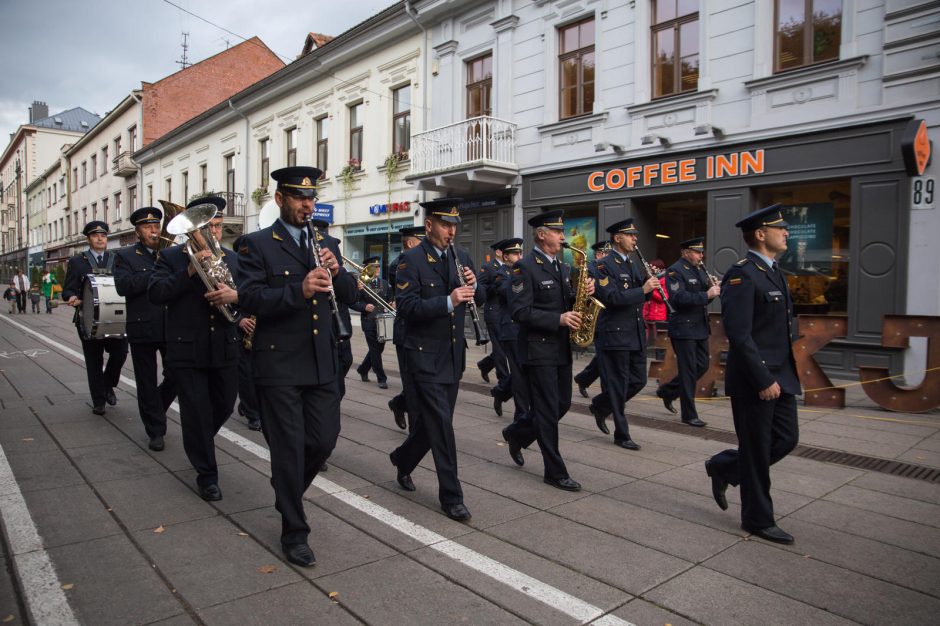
817, 258
665, 222
581, 230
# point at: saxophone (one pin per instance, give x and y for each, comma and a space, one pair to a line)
588, 306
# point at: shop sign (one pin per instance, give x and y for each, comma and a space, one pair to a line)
712, 167
376, 229
915, 148
395, 207
323, 212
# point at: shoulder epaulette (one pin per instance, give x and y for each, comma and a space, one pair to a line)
139, 253
276, 236
742, 262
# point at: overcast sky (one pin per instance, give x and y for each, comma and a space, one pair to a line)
92, 53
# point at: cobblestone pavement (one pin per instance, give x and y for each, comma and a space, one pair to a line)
100, 530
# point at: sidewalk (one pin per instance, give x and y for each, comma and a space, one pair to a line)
132, 543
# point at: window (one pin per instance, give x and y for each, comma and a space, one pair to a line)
675, 47
185, 186
229, 177
104, 210
169, 189
94, 166
104, 161
355, 134
323, 142
149, 195
74, 178
117, 147
807, 32
576, 65
84, 173
55, 194
203, 178
263, 147
291, 137
132, 139
401, 119
132, 194
94, 210
480, 86
84, 218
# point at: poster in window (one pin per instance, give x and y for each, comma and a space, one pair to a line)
809, 246
581, 233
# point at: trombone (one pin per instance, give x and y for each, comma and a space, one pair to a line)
364, 277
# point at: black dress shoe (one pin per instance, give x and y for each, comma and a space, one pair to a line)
364, 377
299, 554
694, 422
254, 424
383, 384
111, 398
629, 444
498, 406
515, 450
771, 533
324, 467
719, 486
405, 482
600, 420
667, 402
456, 512
241, 409
98, 410
582, 390
399, 416
156, 443
210, 493
564, 483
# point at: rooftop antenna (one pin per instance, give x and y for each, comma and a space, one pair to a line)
184, 62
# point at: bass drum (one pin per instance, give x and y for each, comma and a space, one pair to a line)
103, 312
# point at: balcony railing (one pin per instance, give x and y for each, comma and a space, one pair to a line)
235, 204
476, 140
123, 165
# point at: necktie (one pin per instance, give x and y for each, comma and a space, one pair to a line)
444, 256
555, 265
99, 260
304, 248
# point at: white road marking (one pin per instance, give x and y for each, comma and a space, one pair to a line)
551, 596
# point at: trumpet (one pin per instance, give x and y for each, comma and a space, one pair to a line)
364, 278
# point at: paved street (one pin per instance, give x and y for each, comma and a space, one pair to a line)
124, 539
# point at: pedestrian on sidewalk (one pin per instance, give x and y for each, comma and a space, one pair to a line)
22, 290
35, 296
48, 281
760, 375
10, 296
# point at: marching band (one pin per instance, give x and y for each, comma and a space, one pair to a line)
269, 323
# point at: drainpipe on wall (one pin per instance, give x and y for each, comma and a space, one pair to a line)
247, 163
425, 86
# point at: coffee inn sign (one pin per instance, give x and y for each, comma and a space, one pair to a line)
710, 167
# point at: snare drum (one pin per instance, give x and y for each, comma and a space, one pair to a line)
103, 312
385, 326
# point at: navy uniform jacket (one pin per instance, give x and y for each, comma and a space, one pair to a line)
399, 325
294, 344
487, 280
687, 287
506, 329
433, 339
757, 313
619, 287
197, 334
76, 271
133, 267
538, 297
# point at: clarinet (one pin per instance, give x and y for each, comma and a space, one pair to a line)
478, 328
711, 277
342, 332
650, 274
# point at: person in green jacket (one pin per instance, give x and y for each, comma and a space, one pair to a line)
48, 280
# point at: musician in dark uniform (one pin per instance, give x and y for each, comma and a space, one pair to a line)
508, 335
247, 395
411, 236
133, 267
295, 351
690, 290
96, 260
541, 297
368, 307
432, 302
592, 371
496, 358
760, 375
202, 348
622, 287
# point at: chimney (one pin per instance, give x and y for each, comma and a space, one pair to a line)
39, 110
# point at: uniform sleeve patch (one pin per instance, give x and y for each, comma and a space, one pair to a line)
276, 236
243, 250
735, 281
401, 285
603, 282
672, 273
402, 266
517, 270
518, 288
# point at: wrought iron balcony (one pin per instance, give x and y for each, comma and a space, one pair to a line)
123, 165
478, 154
235, 204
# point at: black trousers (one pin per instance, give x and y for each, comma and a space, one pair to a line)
431, 406
623, 375
692, 358
153, 399
345, 355
519, 388
400, 402
497, 356
550, 396
103, 377
207, 397
767, 431
590, 373
301, 426
21, 301
247, 394
373, 358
